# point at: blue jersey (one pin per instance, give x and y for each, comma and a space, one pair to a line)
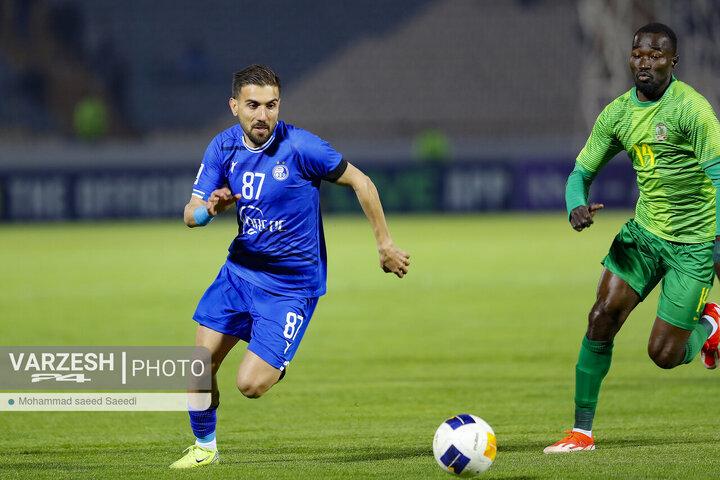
280, 246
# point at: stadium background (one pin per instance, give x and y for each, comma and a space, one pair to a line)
450, 105
466, 114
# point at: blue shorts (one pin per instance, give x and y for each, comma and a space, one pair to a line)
273, 325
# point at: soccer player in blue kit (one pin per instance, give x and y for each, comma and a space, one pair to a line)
267, 290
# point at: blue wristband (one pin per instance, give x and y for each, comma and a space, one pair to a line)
202, 216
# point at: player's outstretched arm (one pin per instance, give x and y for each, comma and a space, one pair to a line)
392, 259
582, 217
219, 201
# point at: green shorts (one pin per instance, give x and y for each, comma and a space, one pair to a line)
686, 269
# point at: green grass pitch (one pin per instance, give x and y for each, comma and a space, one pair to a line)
488, 322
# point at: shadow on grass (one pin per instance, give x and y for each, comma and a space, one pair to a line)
622, 441
65, 460
60, 459
69, 466
342, 455
625, 442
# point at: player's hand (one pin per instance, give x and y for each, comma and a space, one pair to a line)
582, 217
394, 260
220, 200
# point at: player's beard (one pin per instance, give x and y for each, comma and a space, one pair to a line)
259, 139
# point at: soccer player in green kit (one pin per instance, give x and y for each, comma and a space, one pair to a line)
673, 138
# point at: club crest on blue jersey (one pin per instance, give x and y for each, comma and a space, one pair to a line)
280, 172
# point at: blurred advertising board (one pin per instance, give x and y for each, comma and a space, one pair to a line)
534, 184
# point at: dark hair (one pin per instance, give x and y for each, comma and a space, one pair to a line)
660, 28
254, 75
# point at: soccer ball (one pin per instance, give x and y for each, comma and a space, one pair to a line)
465, 445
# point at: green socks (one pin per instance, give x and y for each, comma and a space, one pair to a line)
594, 363
698, 337
592, 366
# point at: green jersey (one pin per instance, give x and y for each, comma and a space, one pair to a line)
670, 141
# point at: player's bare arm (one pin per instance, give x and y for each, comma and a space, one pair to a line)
582, 217
392, 259
219, 201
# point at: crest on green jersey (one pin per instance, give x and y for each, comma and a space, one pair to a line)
660, 131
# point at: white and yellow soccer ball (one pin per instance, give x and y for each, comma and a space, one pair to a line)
465, 445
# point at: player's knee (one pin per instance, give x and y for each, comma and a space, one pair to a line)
604, 321
252, 388
599, 314
663, 356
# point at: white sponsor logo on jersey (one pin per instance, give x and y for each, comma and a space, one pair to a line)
253, 221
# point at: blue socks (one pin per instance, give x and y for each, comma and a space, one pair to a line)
203, 423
